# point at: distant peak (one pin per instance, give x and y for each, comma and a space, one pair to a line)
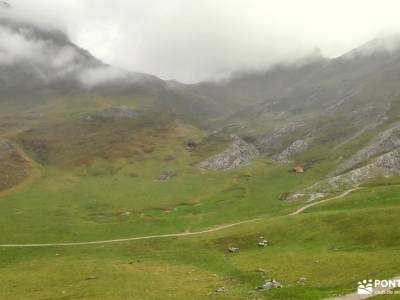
383, 43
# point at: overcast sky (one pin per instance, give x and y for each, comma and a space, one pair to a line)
193, 40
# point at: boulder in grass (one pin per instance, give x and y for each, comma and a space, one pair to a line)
166, 175
263, 244
233, 249
269, 284
302, 280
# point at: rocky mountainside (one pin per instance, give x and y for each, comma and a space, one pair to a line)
51, 66
237, 155
383, 142
337, 113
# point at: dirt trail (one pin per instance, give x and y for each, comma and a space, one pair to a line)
222, 227
301, 209
351, 296
135, 238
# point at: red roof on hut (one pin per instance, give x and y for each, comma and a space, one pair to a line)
298, 169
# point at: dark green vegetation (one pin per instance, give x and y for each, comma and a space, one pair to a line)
83, 163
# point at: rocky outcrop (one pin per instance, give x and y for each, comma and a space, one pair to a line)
384, 142
385, 165
273, 141
115, 113
238, 154
296, 147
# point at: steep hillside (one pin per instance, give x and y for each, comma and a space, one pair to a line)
14, 167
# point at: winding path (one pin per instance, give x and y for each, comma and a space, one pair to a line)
222, 227
351, 296
301, 209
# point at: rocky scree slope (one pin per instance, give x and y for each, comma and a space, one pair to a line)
238, 154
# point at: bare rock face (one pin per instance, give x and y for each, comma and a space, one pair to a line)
384, 142
272, 142
385, 165
238, 154
115, 113
296, 147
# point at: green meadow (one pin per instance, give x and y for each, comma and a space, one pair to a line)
96, 182
332, 245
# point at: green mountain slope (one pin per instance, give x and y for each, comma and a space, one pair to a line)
92, 153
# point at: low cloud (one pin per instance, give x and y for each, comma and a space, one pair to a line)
52, 60
193, 40
19, 46
91, 77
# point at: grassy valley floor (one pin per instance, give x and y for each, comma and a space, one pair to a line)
332, 245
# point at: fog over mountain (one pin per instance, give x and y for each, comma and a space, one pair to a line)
198, 40
201, 149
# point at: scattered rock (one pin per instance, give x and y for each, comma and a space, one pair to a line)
233, 249
263, 244
260, 270
220, 290
316, 196
115, 113
166, 175
269, 284
125, 214
190, 144
302, 280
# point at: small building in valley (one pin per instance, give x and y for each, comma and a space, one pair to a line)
298, 169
